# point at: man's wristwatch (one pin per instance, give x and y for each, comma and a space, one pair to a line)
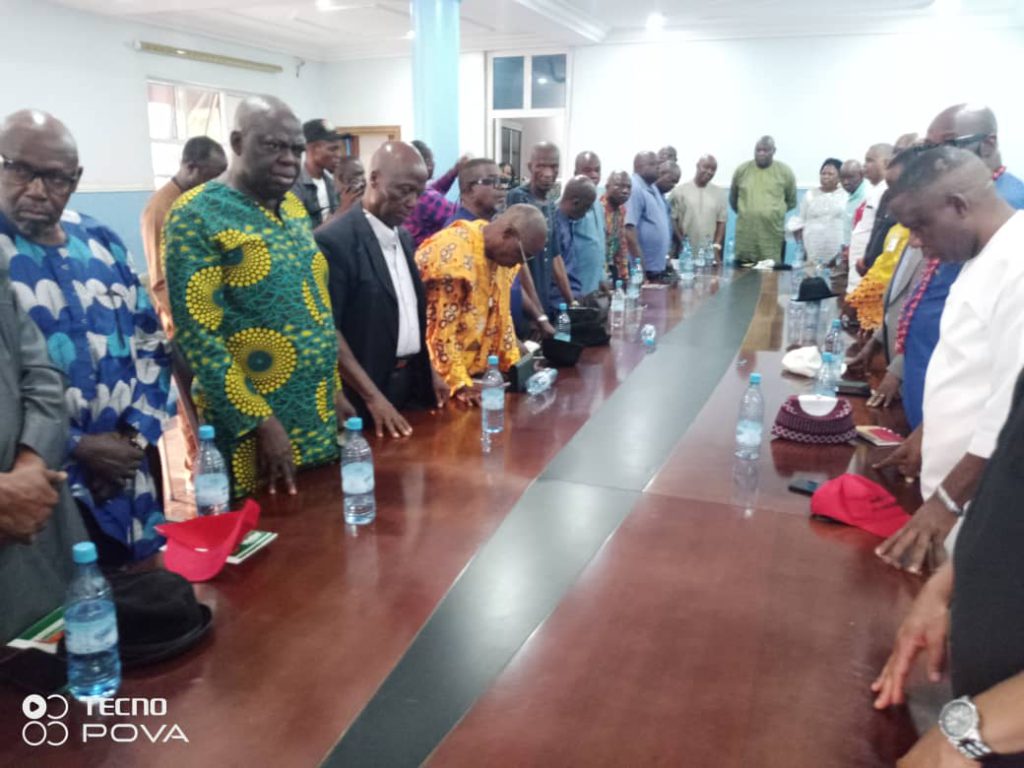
541, 319
947, 501
959, 722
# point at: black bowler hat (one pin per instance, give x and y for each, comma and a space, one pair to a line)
815, 289
158, 616
320, 130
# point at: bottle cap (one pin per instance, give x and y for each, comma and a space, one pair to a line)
827, 357
492, 359
837, 323
84, 553
755, 378
618, 283
354, 424
562, 307
207, 432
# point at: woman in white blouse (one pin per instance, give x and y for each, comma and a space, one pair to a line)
820, 224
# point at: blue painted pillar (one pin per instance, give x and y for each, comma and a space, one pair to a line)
435, 79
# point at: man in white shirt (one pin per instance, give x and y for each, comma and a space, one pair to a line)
377, 297
946, 197
875, 161
700, 208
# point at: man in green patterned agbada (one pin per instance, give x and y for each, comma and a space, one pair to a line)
248, 292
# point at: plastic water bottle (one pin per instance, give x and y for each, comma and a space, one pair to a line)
636, 281
617, 310
701, 258
686, 268
357, 481
827, 383
492, 397
835, 344
794, 322
563, 326
90, 630
730, 253
750, 426
648, 335
798, 255
541, 381
811, 322
210, 476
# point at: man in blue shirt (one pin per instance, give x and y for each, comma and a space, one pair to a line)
478, 191
647, 221
548, 266
588, 231
576, 203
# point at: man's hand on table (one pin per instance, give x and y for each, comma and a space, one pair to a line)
467, 397
926, 628
442, 392
933, 750
274, 455
920, 542
906, 457
888, 392
387, 418
27, 496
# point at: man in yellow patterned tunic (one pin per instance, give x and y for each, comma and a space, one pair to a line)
248, 292
467, 271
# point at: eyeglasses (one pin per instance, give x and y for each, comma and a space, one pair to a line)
276, 147
522, 252
23, 174
488, 181
961, 142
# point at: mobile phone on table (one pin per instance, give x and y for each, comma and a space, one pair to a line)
855, 388
35, 671
805, 487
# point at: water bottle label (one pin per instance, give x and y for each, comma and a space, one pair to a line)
494, 399
212, 490
95, 636
357, 478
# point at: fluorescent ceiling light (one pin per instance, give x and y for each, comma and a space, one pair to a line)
542, 81
655, 22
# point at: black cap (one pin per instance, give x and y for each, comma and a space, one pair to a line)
320, 130
815, 289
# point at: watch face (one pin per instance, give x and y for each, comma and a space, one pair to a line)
958, 719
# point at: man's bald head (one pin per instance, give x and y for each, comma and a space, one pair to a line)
521, 229
875, 161
669, 175
543, 166
764, 151
968, 126
42, 175
668, 152
397, 178
350, 172
589, 164
946, 197
577, 197
267, 143
617, 188
904, 141
645, 165
851, 174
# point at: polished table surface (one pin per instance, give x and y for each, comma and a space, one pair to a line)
608, 586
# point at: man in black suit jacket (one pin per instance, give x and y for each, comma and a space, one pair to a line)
378, 298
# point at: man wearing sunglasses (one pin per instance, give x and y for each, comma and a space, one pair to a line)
73, 276
480, 191
467, 271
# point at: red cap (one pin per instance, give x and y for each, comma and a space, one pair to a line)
855, 500
197, 549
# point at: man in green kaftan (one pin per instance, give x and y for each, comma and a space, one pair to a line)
248, 291
762, 191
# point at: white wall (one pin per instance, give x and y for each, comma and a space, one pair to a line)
819, 97
379, 92
83, 69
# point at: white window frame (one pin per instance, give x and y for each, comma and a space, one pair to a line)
493, 140
180, 127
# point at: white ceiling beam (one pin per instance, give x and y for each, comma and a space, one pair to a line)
569, 17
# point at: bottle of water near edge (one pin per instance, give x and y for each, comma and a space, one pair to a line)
563, 326
541, 381
90, 630
834, 342
357, 481
492, 397
750, 425
618, 306
210, 476
827, 383
636, 281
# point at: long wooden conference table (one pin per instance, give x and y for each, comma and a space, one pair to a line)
608, 586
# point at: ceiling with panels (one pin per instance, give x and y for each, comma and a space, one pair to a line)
329, 30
